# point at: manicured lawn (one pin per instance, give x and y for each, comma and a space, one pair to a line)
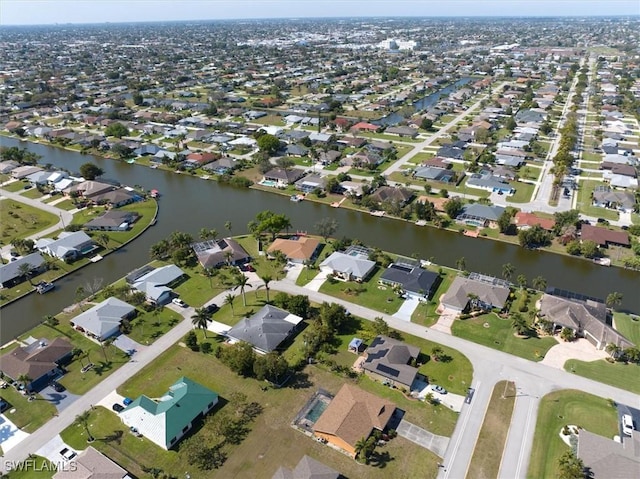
621, 375
588, 156
370, 294
255, 456
255, 301
32, 193
147, 327
15, 186
523, 192
306, 275
628, 326
146, 209
498, 334
584, 202
27, 415
493, 435
197, 289
425, 313
36, 467
19, 220
561, 408
67, 205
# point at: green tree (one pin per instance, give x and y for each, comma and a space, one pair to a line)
519, 323
24, 379
242, 282
570, 466
613, 299
504, 221
116, 129
453, 207
539, 283
326, 227
90, 172
83, 419
238, 357
269, 222
426, 124
26, 270
461, 263
272, 367
266, 279
590, 249
229, 299
268, 143
201, 319
507, 271
522, 281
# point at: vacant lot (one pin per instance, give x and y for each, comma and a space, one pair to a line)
562, 408
20, 221
487, 455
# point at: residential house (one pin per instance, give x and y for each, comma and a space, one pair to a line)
488, 182
604, 237
197, 160
166, 420
588, 318
411, 279
351, 188
148, 149
525, 221
89, 189
605, 458
154, 283
328, 157
68, 247
214, 253
311, 183
362, 125
432, 173
221, 166
486, 293
112, 220
283, 177
363, 159
451, 152
8, 166
296, 250
605, 197
391, 361
266, 329
402, 131
393, 194
352, 265
483, 216
40, 360
12, 272
297, 150
91, 464
23, 171
307, 468
116, 198
353, 414
104, 319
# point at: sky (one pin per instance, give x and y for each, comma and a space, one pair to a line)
38, 12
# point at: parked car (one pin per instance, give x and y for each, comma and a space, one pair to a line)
179, 302
4, 405
627, 425
67, 453
127, 401
57, 387
439, 389
211, 308
247, 267
117, 407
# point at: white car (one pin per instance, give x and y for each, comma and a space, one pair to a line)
179, 302
627, 424
68, 454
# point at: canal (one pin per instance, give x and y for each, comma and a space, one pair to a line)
190, 203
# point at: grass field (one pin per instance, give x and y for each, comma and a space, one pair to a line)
494, 332
628, 326
523, 192
561, 408
425, 314
19, 220
15, 187
584, 202
255, 456
485, 463
32, 193
621, 375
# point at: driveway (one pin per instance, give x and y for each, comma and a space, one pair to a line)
126, 344
420, 389
110, 399
315, 283
447, 317
580, 349
10, 435
422, 437
51, 450
59, 400
407, 308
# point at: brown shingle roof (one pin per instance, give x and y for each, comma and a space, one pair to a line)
34, 360
603, 236
353, 414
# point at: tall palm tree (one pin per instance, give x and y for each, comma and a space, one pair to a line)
103, 240
242, 282
614, 299
25, 269
266, 279
24, 379
519, 324
83, 420
105, 345
539, 283
360, 446
228, 299
200, 319
507, 271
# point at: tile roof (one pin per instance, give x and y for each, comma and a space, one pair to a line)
458, 294
301, 248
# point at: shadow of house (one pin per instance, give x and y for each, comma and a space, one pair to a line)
389, 361
40, 360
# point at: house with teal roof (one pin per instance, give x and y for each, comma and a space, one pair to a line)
164, 421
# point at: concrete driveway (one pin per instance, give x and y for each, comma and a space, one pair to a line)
59, 400
579, 349
407, 308
422, 437
126, 344
315, 283
110, 399
10, 435
51, 450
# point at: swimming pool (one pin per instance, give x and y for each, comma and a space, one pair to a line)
268, 183
316, 411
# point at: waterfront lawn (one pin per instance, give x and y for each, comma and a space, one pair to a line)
498, 334
628, 326
197, 289
561, 408
369, 294
147, 210
37, 467
620, 375
489, 448
19, 220
254, 456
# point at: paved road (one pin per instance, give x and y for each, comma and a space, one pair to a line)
65, 216
490, 366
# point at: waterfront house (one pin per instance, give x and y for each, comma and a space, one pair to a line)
8, 166
39, 359
352, 265
391, 362
112, 220
410, 278
155, 282
310, 183
282, 177
12, 274
525, 221
480, 292
23, 171
104, 319
402, 131
116, 198
296, 250
392, 194
352, 415
604, 237
68, 247
221, 166
164, 421
214, 253
479, 215
266, 329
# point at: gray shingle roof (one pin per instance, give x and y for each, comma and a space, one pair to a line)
416, 280
104, 317
457, 296
346, 264
390, 358
266, 329
11, 270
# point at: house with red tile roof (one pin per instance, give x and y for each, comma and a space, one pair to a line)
527, 220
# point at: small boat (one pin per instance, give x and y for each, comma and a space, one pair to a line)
131, 161
155, 193
44, 287
296, 198
153, 167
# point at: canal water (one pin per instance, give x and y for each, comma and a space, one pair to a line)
190, 203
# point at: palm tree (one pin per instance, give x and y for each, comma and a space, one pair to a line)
228, 299
106, 344
201, 319
614, 299
24, 379
522, 281
227, 226
83, 420
25, 269
519, 324
228, 256
539, 283
507, 271
80, 295
242, 282
209, 273
461, 263
266, 279
103, 240
613, 349
360, 446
